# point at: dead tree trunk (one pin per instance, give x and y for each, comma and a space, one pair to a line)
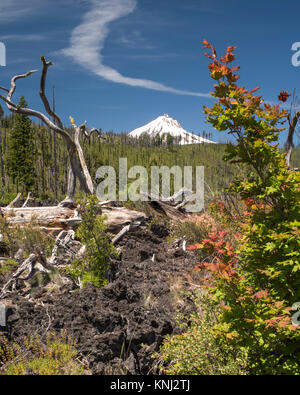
289, 145
78, 169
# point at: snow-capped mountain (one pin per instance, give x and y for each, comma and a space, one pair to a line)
165, 125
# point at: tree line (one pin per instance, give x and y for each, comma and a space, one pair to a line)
34, 159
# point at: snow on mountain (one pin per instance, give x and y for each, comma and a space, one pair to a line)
164, 125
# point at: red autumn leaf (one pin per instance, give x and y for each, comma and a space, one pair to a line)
194, 247
225, 101
254, 89
260, 294
206, 44
220, 244
231, 48
233, 78
283, 96
284, 323
204, 264
228, 58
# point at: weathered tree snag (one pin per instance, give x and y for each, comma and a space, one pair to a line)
71, 189
65, 250
289, 142
11, 284
57, 121
78, 168
35, 262
85, 170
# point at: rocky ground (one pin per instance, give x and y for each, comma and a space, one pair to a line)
120, 326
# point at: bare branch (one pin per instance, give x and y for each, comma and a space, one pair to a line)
13, 82
27, 111
9, 103
120, 235
46, 65
4, 89
26, 201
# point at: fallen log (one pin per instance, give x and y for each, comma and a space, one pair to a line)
118, 217
167, 209
48, 217
58, 218
173, 206
125, 230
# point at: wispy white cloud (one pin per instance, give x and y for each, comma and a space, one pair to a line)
22, 37
15, 9
11, 10
88, 38
134, 39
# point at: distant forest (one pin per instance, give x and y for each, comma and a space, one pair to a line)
33, 158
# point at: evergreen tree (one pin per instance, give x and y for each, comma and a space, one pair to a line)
20, 161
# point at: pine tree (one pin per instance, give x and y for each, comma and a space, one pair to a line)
21, 151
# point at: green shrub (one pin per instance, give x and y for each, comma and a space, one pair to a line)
28, 238
95, 264
197, 351
8, 267
259, 282
56, 356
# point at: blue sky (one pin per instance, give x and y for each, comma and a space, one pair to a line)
121, 63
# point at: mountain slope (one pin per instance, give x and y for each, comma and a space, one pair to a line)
164, 125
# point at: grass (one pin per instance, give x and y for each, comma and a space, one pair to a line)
57, 355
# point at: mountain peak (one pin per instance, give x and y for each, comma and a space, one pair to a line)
164, 125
